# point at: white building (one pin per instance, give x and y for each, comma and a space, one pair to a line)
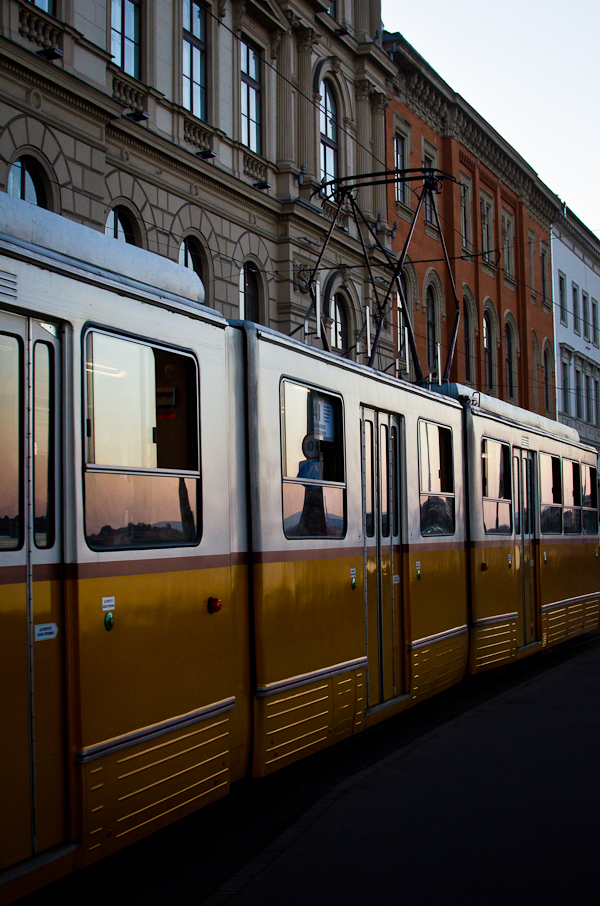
576, 285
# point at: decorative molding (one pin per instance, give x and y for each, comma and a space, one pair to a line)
307, 38
39, 28
128, 93
239, 9
197, 135
254, 168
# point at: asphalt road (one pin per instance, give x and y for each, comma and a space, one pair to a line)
279, 840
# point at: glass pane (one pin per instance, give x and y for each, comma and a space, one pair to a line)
495, 461
43, 479
551, 520
496, 517
588, 475
550, 479
115, 15
517, 487
384, 485
186, 14
131, 21
572, 520
14, 179
437, 515
396, 482
244, 54
590, 522
313, 445
139, 510
435, 458
121, 402
313, 511
369, 481
10, 431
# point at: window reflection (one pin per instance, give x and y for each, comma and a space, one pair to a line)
10, 431
43, 484
436, 479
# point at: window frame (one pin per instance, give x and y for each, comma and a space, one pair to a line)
312, 482
510, 499
508, 242
421, 485
122, 37
562, 298
30, 167
486, 214
328, 113
201, 46
249, 84
99, 468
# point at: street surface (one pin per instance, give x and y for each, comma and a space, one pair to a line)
486, 794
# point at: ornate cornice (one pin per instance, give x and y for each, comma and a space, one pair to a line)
588, 244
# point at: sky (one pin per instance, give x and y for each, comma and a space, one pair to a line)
531, 68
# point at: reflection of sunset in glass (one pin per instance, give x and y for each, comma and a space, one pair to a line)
9, 422
41, 444
123, 402
295, 421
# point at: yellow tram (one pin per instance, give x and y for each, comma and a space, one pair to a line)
222, 550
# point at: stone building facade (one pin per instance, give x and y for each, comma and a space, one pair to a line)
495, 218
197, 130
576, 279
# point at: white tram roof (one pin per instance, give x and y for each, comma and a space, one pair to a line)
67, 242
481, 402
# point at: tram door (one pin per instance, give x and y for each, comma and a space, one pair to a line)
32, 752
380, 434
524, 545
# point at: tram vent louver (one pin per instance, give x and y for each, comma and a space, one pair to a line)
8, 285
524, 441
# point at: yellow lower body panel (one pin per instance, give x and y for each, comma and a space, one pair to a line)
566, 619
437, 664
493, 643
294, 722
134, 791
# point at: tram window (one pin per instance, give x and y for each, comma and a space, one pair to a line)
496, 487
395, 480
43, 447
11, 429
369, 481
384, 469
589, 500
314, 497
436, 479
572, 497
141, 428
551, 494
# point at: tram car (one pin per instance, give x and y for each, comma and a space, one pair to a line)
222, 550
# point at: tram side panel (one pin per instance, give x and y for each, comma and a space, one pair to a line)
435, 568
520, 571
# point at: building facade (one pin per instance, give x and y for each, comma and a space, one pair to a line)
495, 218
576, 279
201, 131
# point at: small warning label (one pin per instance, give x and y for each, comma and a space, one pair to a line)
45, 631
108, 603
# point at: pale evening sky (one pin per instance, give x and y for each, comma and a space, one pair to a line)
531, 68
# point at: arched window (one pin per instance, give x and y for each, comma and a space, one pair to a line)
26, 180
508, 351
329, 136
547, 380
119, 225
249, 293
339, 325
487, 352
467, 336
431, 335
190, 256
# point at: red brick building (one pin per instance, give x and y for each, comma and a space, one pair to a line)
495, 220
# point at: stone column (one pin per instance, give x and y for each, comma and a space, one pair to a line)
379, 105
364, 158
362, 20
307, 38
283, 87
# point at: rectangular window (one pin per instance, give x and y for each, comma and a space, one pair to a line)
572, 497
487, 228
587, 325
544, 269
576, 321
508, 243
597, 398
496, 487
578, 394
532, 261
589, 400
312, 445
566, 392
428, 164
251, 96
142, 462
551, 494
589, 499
562, 297
465, 211
595, 334
43, 445
400, 164
194, 58
125, 35
11, 430
436, 479
46, 5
